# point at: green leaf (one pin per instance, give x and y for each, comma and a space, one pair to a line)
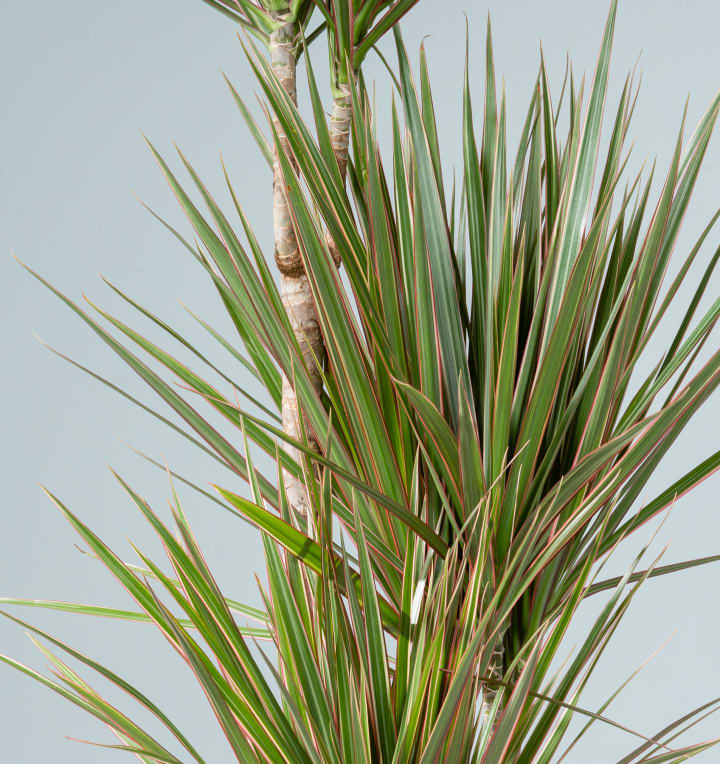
445, 297
297, 543
578, 197
115, 679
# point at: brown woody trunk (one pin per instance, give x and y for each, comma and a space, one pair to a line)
294, 287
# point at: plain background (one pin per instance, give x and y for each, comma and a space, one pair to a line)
80, 81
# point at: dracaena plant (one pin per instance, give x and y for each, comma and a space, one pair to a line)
458, 454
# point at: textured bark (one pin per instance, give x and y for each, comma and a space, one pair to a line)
294, 287
300, 307
340, 126
340, 121
282, 57
496, 670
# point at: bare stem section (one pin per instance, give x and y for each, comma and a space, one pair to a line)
340, 121
340, 126
282, 56
496, 670
294, 287
300, 306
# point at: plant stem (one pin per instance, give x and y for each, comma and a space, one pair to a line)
340, 121
496, 670
294, 286
340, 126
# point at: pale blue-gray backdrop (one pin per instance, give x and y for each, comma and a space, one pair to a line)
80, 82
